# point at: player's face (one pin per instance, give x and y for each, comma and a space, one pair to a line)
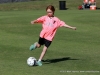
50, 13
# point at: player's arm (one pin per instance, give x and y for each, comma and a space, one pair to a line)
35, 21
70, 27
39, 20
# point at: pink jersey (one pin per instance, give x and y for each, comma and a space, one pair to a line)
50, 26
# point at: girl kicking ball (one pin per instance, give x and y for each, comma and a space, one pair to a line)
50, 24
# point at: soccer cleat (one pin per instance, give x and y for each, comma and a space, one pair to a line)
32, 47
39, 63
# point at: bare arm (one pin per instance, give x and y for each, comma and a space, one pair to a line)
39, 20
70, 27
35, 21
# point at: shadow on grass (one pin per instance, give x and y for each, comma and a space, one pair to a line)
98, 8
48, 61
64, 9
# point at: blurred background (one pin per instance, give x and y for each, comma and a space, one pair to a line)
41, 4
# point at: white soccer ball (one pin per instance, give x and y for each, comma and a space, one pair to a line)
31, 61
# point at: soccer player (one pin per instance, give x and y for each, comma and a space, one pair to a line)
50, 24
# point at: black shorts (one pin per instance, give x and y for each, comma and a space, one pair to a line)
43, 41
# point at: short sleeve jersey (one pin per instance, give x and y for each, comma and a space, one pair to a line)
49, 26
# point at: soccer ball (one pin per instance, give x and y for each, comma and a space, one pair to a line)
31, 61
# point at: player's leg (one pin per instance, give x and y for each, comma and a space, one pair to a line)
37, 44
34, 46
47, 44
39, 63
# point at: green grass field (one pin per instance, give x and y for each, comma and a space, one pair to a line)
71, 53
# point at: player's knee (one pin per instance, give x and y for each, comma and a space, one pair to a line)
38, 45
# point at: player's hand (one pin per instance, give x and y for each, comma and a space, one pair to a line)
32, 22
74, 28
